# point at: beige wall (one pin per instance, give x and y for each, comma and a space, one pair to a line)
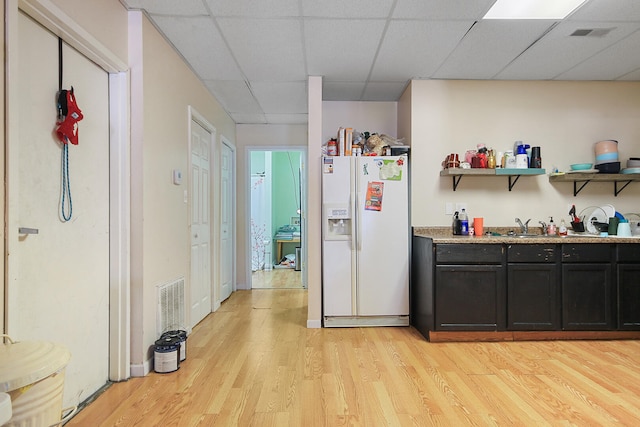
564, 118
106, 20
248, 136
160, 233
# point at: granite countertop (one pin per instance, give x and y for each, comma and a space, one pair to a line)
444, 235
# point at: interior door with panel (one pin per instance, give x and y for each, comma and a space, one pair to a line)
58, 270
227, 224
200, 223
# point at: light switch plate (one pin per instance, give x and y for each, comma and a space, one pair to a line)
177, 177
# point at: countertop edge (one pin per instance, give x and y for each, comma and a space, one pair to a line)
443, 235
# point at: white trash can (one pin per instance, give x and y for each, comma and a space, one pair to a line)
32, 373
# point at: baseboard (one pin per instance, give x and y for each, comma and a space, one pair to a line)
141, 370
314, 323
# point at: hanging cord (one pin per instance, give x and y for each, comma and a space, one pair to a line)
66, 182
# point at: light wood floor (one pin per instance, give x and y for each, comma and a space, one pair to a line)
277, 278
254, 363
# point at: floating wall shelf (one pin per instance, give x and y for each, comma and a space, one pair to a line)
513, 174
585, 178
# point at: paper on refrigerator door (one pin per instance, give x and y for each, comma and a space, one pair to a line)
373, 200
391, 170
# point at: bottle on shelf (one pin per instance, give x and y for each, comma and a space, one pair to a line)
464, 222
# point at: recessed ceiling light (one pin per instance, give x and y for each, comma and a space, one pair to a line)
532, 9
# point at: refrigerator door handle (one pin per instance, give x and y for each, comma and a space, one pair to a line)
355, 236
358, 222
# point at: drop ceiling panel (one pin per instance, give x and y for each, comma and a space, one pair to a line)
632, 76
266, 49
384, 91
288, 119
241, 118
442, 9
342, 49
206, 53
347, 8
416, 48
489, 47
612, 63
281, 97
558, 51
342, 91
234, 96
253, 8
608, 10
169, 7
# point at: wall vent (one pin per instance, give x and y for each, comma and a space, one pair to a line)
171, 311
591, 32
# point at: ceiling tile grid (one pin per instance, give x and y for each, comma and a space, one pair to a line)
255, 55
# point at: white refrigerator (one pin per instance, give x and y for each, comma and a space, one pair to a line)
365, 241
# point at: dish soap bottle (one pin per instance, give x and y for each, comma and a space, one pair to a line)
562, 230
464, 223
551, 228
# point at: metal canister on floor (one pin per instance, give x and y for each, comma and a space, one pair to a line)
166, 355
182, 338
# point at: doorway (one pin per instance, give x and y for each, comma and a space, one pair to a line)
276, 221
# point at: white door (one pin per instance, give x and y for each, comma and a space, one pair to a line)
200, 223
382, 237
226, 224
58, 279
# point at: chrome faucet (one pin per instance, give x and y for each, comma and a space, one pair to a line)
544, 227
524, 228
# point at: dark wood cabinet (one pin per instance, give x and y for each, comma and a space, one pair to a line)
588, 298
469, 287
532, 288
467, 297
520, 288
628, 278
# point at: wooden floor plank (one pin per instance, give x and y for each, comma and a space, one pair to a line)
254, 363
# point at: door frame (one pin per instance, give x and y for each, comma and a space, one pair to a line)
226, 142
214, 229
303, 205
55, 20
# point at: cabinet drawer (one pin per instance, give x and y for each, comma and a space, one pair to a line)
629, 253
532, 253
597, 252
454, 253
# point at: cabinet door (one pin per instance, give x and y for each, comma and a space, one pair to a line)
532, 297
629, 296
587, 300
467, 297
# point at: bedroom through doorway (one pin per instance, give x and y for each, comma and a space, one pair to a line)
276, 225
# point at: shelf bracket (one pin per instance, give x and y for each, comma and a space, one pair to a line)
616, 190
576, 190
456, 181
512, 181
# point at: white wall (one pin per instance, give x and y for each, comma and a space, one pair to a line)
564, 118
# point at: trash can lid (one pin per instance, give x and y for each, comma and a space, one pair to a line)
27, 362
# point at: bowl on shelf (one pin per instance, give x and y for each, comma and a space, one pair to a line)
613, 167
581, 166
633, 162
